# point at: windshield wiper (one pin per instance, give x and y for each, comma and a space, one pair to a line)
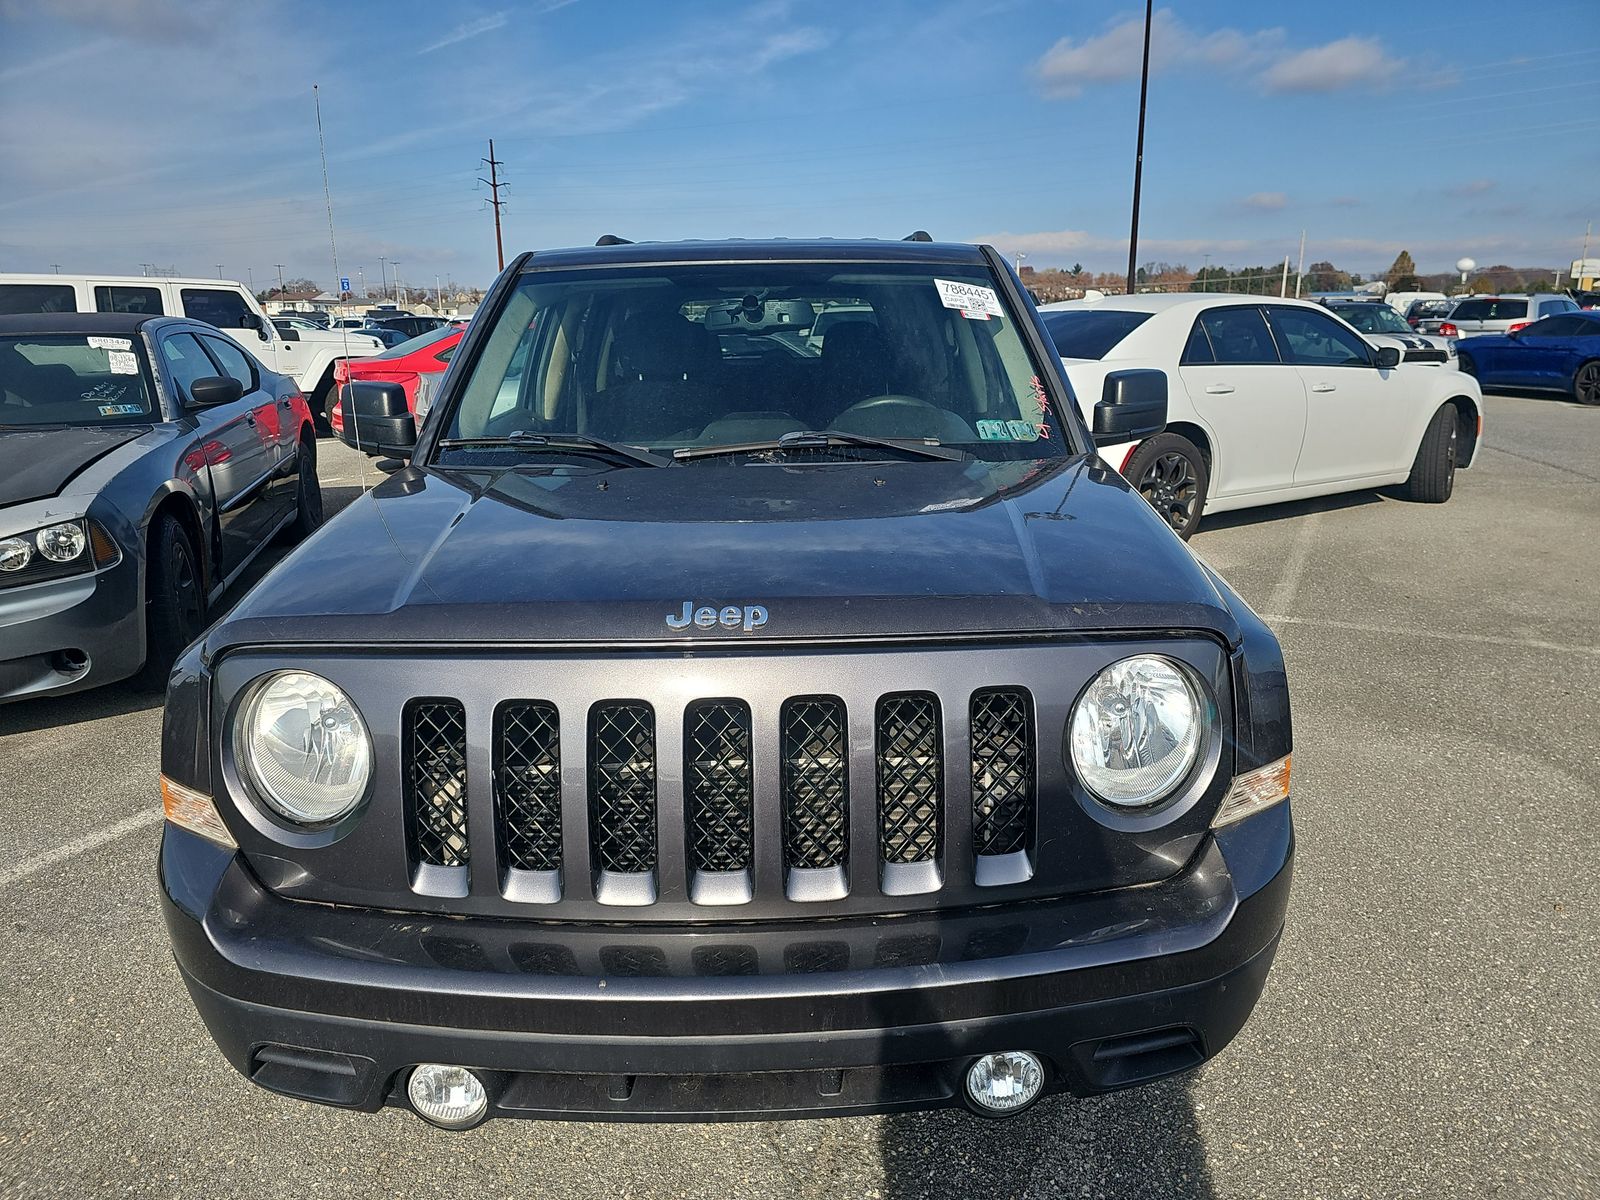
811, 439
526, 439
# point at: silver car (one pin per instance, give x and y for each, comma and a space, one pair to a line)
1501, 314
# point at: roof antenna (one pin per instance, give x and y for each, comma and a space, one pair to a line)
921, 235
333, 246
611, 239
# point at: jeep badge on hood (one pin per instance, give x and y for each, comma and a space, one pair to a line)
729, 616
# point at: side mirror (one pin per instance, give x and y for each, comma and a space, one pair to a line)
1388, 358
1133, 405
377, 419
250, 321
212, 390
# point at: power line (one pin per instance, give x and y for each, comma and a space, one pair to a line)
493, 181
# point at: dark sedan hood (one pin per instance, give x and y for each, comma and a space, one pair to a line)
37, 463
872, 550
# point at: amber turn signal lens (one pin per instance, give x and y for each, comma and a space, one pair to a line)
104, 546
195, 812
1253, 792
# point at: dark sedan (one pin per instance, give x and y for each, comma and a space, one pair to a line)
144, 462
1556, 354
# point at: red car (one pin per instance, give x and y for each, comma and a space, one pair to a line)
404, 364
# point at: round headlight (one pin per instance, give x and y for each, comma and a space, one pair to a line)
61, 543
1138, 730
304, 747
14, 554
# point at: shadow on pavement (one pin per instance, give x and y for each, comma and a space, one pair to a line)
1293, 508
1143, 1142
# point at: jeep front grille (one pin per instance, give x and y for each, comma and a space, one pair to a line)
622, 786
436, 783
910, 778
528, 785
620, 813
1001, 730
717, 785
815, 784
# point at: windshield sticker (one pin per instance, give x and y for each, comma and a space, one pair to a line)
123, 362
976, 303
1008, 431
120, 410
1041, 401
110, 343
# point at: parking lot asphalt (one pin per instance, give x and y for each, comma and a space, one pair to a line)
1431, 1028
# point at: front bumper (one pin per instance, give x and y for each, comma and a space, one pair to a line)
728, 1022
70, 634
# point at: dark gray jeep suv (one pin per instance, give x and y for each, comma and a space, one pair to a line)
715, 719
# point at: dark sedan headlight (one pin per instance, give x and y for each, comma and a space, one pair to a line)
1138, 730
65, 548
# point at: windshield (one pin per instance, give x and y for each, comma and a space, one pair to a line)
1085, 334
412, 345
673, 357
1373, 318
73, 379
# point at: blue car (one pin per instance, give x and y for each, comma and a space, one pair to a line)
1557, 354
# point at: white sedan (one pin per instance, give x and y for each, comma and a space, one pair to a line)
1268, 400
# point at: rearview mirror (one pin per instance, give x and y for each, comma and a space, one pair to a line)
377, 419
212, 390
1388, 357
1133, 405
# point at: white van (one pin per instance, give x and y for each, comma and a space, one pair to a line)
305, 357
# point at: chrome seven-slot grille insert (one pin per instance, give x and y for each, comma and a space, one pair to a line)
621, 805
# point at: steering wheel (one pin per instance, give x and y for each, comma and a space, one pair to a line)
888, 402
895, 415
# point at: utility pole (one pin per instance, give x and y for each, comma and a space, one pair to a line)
361, 274
1283, 289
1300, 271
383, 277
494, 165
219, 270
396, 265
250, 272
56, 267
438, 296
280, 278
1138, 162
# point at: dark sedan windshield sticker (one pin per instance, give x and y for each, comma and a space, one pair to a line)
1009, 431
729, 616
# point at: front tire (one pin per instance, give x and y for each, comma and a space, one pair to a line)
175, 602
307, 495
1169, 471
1586, 383
1433, 473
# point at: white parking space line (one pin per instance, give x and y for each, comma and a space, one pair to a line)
1443, 635
81, 845
1294, 567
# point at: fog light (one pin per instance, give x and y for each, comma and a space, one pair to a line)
450, 1097
1006, 1082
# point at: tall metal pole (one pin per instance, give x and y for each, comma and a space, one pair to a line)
1138, 162
383, 277
493, 181
280, 277
396, 265
1300, 271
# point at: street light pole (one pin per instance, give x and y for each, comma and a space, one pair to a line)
1138, 162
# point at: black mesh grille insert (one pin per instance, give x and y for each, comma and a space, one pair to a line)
436, 782
527, 792
622, 786
1002, 770
815, 788
910, 777
717, 785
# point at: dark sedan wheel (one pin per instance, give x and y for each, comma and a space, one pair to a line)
175, 602
1586, 383
307, 494
1170, 472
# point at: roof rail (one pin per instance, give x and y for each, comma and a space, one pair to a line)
611, 239
920, 235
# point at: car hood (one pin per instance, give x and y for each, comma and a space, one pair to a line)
36, 464
860, 550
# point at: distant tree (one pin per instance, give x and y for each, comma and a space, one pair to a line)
301, 285
1402, 274
1077, 270
1325, 277
1481, 283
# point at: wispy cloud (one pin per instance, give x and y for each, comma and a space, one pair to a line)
1348, 62
470, 29
1266, 201
1263, 57
54, 62
1472, 187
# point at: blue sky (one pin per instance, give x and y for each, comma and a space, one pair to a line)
183, 133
